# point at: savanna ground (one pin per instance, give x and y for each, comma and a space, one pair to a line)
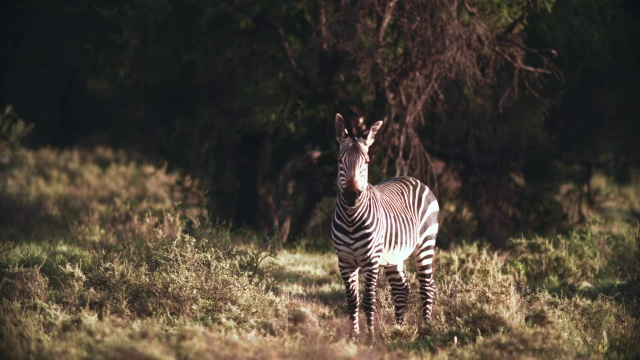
105, 256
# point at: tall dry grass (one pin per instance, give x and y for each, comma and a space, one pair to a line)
103, 256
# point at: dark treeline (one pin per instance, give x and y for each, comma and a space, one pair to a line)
494, 104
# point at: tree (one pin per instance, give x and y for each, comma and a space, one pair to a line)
449, 76
484, 100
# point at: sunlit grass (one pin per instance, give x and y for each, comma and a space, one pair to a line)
110, 267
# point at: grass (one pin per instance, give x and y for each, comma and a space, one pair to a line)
105, 256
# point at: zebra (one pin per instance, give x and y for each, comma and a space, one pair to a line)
381, 226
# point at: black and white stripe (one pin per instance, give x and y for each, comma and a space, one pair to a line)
381, 226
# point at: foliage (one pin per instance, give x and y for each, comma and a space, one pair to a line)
465, 101
43, 191
13, 132
495, 105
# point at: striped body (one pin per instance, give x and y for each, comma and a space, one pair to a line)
382, 226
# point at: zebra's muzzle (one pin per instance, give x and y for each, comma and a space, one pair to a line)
351, 196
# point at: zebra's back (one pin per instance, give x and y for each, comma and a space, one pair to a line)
410, 212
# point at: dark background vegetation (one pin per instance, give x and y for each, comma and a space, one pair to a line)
503, 108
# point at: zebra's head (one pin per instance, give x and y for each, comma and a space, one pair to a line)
353, 160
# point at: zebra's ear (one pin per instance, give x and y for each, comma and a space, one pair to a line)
371, 133
341, 130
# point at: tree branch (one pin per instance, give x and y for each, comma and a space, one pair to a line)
518, 64
323, 27
385, 20
287, 49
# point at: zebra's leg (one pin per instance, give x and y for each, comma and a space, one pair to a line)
369, 300
423, 257
399, 290
350, 277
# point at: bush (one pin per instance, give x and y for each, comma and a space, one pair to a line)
13, 132
182, 277
581, 257
22, 332
86, 194
23, 285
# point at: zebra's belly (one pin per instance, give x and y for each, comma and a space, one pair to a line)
395, 256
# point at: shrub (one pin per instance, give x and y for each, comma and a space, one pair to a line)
23, 285
22, 333
518, 344
478, 298
547, 261
580, 257
13, 132
86, 194
180, 277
